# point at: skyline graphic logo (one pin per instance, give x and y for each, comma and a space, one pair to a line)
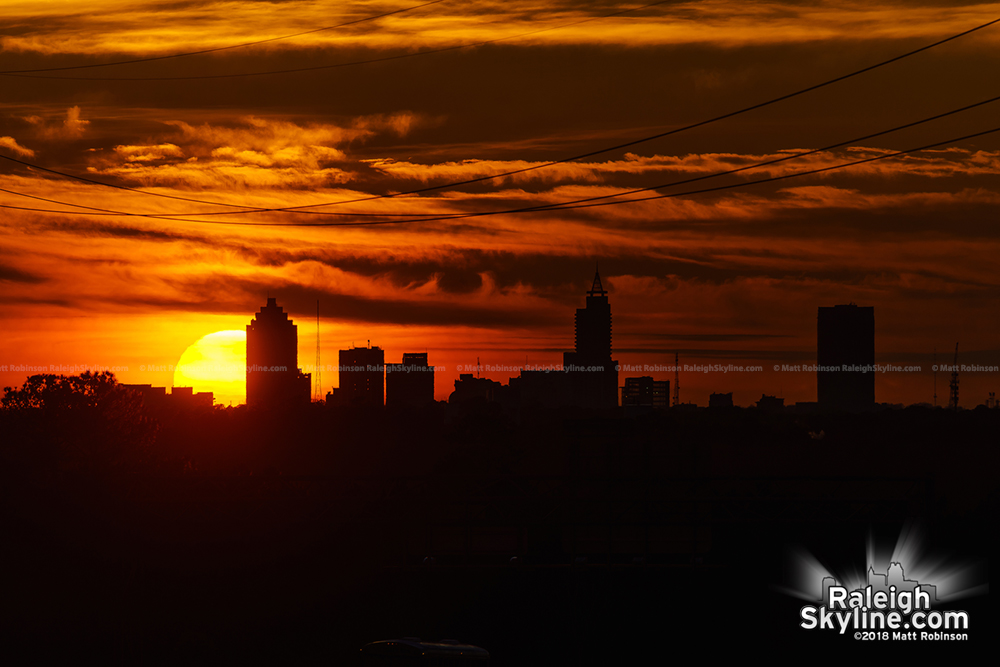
883, 603
888, 602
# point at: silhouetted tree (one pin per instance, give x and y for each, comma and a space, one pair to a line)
82, 421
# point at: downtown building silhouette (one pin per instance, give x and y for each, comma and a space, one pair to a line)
645, 391
593, 374
589, 378
720, 400
410, 383
179, 398
845, 356
274, 379
362, 377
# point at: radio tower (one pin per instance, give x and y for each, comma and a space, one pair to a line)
318, 391
677, 379
953, 402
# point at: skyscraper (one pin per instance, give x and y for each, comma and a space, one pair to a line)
273, 376
362, 376
592, 372
845, 354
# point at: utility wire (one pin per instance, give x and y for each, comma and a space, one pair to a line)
481, 179
213, 50
535, 209
92, 181
695, 179
167, 216
731, 186
26, 73
661, 135
792, 156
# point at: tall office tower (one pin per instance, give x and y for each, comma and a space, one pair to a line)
362, 376
845, 354
411, 382
593, 377
273, 376
593, 324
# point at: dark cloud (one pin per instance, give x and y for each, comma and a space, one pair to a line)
707, 338
560, 99
11, 274
733, 355
222, 294
110, 230
30, 301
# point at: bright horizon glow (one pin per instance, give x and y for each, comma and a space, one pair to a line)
726, 278
216, 363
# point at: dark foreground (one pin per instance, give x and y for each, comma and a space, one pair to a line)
548, 538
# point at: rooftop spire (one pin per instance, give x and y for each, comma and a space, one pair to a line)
597, 289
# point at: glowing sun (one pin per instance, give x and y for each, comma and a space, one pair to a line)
216, 363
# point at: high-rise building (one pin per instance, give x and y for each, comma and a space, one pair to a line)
589, 377
845, 355
646, 391
592, 372
362, 376
410, 382
274, 378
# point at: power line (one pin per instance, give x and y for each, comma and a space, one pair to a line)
481, 179
213, 50
678, 130
756, 165
695, 179
793, 156
732, 186
564, 206
164, 216
93, 181
23, 73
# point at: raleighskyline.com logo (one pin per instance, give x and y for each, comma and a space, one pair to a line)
890, 607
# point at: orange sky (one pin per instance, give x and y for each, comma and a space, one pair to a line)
732, 277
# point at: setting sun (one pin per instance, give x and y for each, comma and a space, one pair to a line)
216, 363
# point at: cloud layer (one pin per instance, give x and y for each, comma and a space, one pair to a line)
732, 275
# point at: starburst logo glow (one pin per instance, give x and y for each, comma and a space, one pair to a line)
887, 602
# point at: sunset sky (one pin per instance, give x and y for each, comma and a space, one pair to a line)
451, 91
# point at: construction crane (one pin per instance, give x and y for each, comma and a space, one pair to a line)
953, 401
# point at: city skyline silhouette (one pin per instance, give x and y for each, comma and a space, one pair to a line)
844, 368
724, 276
521, 332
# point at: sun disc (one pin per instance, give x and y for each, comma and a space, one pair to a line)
216, 363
